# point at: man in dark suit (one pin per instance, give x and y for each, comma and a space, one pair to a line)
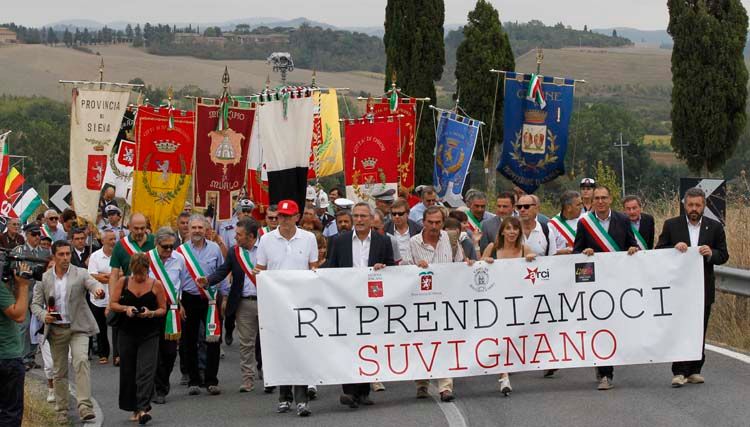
81, 252
643, 223
694, 229
360, 248
596, 232
242, 301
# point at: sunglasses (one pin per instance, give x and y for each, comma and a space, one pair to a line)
35, 233
519, 207
397, 213
54, 218
272, 218
167, 247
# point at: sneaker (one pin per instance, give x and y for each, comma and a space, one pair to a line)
50, 395
696, 379
378, 387
549, 373
184, 379
312, 393
422, 393
303, 410
214, 390
247, 388
86, 413
447, 396
194, 390
284, 407
505, 387
348, 400
604, 384
159, 399
678, 381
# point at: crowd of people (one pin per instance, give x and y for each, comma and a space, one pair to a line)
183, 291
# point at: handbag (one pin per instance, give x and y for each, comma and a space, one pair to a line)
114, 319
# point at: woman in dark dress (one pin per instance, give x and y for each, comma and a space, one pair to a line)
141, 302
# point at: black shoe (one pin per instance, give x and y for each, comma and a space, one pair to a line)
447, 396
365, 400
349, 400
228, 340
269, 390
144, 418
159, 399
549, 373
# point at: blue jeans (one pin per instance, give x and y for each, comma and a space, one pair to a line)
13, 373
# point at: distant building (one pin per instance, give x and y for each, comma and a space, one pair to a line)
260, 39
7, 36
192, 38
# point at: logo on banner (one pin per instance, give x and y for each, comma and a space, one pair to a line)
534, 132
375, 288
97, 165
126, 154
585, 272
482, 280
425, 281
226, 148
534, 274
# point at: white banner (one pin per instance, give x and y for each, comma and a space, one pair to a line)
349, 325
95, 119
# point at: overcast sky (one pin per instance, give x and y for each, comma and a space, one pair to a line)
642, 14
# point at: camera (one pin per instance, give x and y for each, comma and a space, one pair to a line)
141, 310
7, 259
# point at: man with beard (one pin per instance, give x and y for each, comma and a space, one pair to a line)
696, 230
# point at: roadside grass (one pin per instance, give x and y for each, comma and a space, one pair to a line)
36, 411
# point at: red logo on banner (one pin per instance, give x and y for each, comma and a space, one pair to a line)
97, 165
375, 289
126, 153
425, 282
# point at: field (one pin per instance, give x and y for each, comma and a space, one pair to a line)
35, 69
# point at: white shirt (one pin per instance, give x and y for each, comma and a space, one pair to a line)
605, 222
560, 241
277, 253
61, 296
403, 245
248, 288
537, 241
694, 231
361, 249
99, 264
442, 253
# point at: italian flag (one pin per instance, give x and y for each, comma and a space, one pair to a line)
535, 93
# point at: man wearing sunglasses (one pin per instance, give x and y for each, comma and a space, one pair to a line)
402, 228
539, 236
53, 227
12, 236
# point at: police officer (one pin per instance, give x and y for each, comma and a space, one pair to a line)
228, 229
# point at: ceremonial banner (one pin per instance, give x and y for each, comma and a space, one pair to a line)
456, 138
350, 325
25, 202
95, 119
285, 129
535, 136
119, 173
371, 157
257, 177
406, 108
325, 158
4, 163
222, 138
164, 160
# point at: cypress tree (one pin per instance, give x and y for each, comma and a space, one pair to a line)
709, 80
485, 47
415, 52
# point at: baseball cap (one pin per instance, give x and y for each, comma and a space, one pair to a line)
288, 207
588, 182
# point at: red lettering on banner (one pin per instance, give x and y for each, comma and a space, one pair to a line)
566, 339
458, 366
543, 338
509, 344
494, 355
374, 348
406, 358
435, 345
593, 344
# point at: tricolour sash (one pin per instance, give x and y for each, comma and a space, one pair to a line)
263, 230
213, 323
130, 247
605, 242
46, 232
638, 238
564, 229
173, 327
243, 257
474, 224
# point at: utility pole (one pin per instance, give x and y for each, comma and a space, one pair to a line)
622, 161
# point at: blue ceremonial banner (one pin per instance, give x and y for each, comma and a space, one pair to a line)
535, 137
456, 138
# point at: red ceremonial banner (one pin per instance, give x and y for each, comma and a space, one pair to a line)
220, 156
97, 166
407, 108
371, 162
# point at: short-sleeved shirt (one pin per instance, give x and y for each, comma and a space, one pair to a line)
121, 258
277, 253
443, 253
538, 243
10, 341
99, 264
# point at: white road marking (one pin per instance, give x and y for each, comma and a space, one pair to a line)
450, 410
729, 353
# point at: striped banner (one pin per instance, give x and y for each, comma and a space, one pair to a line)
172, 327
599, 234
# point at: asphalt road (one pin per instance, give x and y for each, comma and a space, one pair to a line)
642, 397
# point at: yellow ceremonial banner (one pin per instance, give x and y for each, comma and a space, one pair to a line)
165, 140
329, 154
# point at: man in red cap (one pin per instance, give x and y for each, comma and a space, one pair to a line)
288, 248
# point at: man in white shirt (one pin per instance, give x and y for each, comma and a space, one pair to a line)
566, 222
289, 248
540, 237
429, 198
99, 269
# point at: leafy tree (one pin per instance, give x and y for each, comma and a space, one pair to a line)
614, 33
137, 36
415, 53
51, 36
129, 32
485, 47
709, 80
68, 38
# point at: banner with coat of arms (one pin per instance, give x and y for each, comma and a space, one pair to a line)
164, 161
222, 137
406, 116
456, 138
95, 119
537, 113
119, 173
325, 156
371, 159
